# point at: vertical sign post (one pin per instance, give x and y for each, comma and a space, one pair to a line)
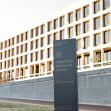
65, 76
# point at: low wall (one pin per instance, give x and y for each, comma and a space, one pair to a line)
94, 87
36, 89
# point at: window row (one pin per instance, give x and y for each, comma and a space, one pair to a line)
17, 74
35, 56
59, 23
8, 53
10, 42
22, 48
41, 68
98, 5
86, 60
42, 42
106, 21
84, 43
23, 72
15, 62
22, 37
40, 55
11, 52
97, 24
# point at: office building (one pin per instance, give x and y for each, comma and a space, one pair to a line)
30, 54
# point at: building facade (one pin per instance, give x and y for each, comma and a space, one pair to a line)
30, 54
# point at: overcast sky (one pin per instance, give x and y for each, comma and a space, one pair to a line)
16, 16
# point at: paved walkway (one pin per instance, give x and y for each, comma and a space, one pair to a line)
42, 103
93, 108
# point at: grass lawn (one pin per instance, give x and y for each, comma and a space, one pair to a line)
8, 106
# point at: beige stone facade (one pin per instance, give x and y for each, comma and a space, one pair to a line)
29, 55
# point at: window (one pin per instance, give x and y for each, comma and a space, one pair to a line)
97, 39
32, 69
86, 11
31, 45
107, 55
37, 56
42, 68
25, 59
62, 21
21, 37
55, 36
49, 66
26, 35
70, 32
62, 34
49, 39
78, 44
1, 55
86, 27
18, 39
12, 62
21, 72
0, 65
86, 42
37, 69
1, 45
78, 14
5, 54
0, 76
8, 63
107, 36
37, 43
13, 41
9, 53
32, 33
31, 57
49, 26
42, 52
17, 61
42, 29
49, 51
78, 29
12, 52
86, 59
6, 44
98, 57
4, 64
17, 50
70, 17
79, 61
97, 6
21, 60
55, 23
97, 23
9, 43
26, 47
21, 49
106, 4
42, 41
107, 19
36, 31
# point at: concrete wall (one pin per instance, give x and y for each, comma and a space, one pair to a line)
94, 87
38, 89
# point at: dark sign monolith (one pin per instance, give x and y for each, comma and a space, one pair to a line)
65, 76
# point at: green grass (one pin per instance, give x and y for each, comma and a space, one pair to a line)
7, 106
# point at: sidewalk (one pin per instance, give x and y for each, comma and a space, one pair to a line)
49, 105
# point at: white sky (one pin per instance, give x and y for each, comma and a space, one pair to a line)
17, 16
